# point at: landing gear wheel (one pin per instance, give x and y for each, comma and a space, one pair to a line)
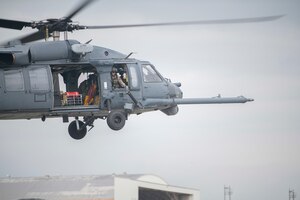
116, 120
77, 134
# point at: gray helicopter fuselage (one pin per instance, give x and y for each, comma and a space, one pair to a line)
29, 84
68, 79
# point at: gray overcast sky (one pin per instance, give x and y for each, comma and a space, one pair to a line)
253, 147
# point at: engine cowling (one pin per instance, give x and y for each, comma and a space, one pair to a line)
14, 58
48, 51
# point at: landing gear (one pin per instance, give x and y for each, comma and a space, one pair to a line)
116, 120
77, 129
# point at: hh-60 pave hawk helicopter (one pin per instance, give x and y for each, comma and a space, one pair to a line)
115, 86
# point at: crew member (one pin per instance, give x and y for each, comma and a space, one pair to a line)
88, 89
116, 79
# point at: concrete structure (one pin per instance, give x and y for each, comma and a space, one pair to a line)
109, 187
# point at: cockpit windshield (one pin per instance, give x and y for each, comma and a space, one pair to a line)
149, 74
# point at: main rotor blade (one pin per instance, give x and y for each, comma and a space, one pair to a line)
13, 24
78, 9
25, 39
32, 37
218, 21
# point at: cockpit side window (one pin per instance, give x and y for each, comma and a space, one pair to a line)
149, 74
133, 76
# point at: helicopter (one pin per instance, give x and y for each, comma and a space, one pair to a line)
68, 79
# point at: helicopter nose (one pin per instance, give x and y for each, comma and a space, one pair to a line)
174, 90
178, 92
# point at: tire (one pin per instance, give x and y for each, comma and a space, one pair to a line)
116, 120
74, 133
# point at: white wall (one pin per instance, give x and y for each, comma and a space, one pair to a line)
127, 189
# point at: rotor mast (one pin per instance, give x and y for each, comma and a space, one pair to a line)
56, 35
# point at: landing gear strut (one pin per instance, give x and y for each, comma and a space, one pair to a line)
78, 129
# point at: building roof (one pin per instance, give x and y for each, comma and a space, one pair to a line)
68, 187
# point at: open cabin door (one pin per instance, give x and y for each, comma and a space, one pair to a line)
27, 88
75, 87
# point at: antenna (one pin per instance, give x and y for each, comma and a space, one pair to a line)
129, 55
292, 194
227, 192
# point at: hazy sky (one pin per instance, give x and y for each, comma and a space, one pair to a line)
252, 147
